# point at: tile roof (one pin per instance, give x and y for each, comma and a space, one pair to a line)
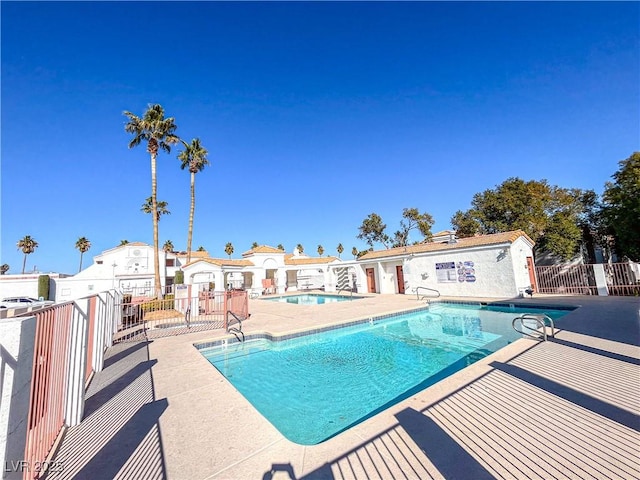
308, 260
479, 241
223, 262
262, 249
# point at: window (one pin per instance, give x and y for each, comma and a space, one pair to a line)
99, 262
171, 262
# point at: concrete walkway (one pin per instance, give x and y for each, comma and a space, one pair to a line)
567, 408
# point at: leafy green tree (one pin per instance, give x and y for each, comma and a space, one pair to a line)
412, 219
621, 207
193, 157
4, 268
83, 245
372, 231
551, 216
161, 208
159, 134
339, 249
28, 245
228, 249
320, 250
300, 248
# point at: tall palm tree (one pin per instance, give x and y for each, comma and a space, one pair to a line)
168, 246
354, 252
159, 134
4, 268
161, 208
83, 244
320, 250
228, 249
28, 245
194, 157
300, 248
123, 242
339, 249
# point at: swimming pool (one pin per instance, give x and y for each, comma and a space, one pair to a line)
312, 299
314, 386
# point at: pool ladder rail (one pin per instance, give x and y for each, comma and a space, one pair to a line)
425, 295
237, 331
523, 324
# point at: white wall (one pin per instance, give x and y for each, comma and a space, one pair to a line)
493, 271
519, 252
17, 338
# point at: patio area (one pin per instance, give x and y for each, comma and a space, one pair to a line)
567, 408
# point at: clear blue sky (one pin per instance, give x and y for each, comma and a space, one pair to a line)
314, 115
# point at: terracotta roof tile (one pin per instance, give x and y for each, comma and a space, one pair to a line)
482, 240
308, 260
223, 262
262, 249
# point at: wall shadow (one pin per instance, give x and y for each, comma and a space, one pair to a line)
102, 396
110, 459
593, 404
451, 460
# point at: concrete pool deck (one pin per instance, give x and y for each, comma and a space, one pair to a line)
566, 408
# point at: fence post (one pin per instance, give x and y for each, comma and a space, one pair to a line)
601, 279
78, 338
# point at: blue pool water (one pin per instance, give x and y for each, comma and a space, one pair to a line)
312, 299
315, 386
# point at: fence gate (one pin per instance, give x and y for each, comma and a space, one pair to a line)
621, 279
185, 311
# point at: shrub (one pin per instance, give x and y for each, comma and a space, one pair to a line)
155, 305
43, 286
179, 278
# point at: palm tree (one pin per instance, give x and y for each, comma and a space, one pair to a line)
161, 208
320, 250
168, 246
280, 247
123, 242
193, 156
158, 132
254, 245
339, 249
28, 245
354, 252
228, 249
4, 268
201, 249
300, 248
83, 244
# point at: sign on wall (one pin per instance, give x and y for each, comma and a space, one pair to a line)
466, 272
446, 272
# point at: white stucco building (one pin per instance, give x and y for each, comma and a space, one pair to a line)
499, 265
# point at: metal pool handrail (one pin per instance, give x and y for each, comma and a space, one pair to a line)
541, 322
235, 330
418, 297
